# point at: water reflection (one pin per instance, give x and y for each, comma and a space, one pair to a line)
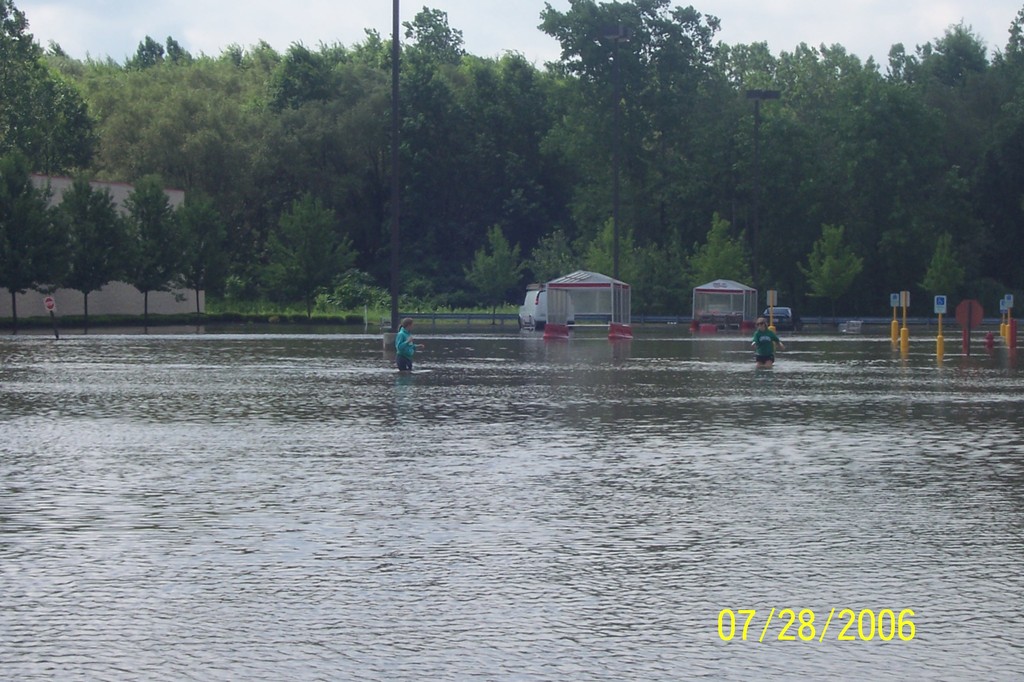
274, 506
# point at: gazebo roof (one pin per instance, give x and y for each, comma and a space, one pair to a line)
725, 286
583, 278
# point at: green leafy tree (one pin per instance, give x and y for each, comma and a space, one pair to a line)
150, 53
62, 137
641, 74
496, 270
97, 239
27, 238
482, 121
832, 266
599, 255
334, 149
721, 256
302, 76
514, 181
41, 115
955, 56
176, 54
552, 257
204, 239
945, 275
434, 39
355, 290
306, 252
155, 238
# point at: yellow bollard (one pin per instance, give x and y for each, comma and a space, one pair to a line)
895, 328
904, 333
940, 349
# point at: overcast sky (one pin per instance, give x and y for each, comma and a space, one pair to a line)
114, 28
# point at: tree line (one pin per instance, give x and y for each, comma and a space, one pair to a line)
867, 178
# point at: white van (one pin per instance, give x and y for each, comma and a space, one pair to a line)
533, 313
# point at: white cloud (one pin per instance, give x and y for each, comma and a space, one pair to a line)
114, 28
864, 27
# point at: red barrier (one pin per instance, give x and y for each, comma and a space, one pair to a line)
617, 331
557, 332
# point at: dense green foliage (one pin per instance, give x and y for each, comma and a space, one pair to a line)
930, 144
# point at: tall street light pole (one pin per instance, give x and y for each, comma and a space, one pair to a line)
618, 34
395, 54
757, 96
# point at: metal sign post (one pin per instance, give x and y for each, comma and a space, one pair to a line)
969, 314
894, 302
940, 310
51, 305
904, 333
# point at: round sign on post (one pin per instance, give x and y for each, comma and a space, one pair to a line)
969, 313
51, 305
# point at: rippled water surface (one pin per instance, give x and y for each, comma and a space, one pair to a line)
288, 507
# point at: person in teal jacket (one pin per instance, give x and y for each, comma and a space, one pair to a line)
764, 343
404, 347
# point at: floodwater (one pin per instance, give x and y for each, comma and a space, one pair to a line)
288, 507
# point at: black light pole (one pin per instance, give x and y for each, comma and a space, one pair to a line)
395, 53
757, 96
619, 35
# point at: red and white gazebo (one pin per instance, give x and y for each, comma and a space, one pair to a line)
588, 299
724, 305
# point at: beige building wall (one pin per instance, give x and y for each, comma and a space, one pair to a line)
117, 298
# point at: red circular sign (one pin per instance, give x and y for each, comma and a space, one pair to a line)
969, 313
49, 303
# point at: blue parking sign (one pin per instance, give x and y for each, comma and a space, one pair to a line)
940, 305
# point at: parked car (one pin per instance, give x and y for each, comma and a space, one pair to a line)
784, 319
533, 313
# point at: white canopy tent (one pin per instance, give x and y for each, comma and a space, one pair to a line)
591, 299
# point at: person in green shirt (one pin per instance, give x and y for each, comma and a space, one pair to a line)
404, 347
764, 343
